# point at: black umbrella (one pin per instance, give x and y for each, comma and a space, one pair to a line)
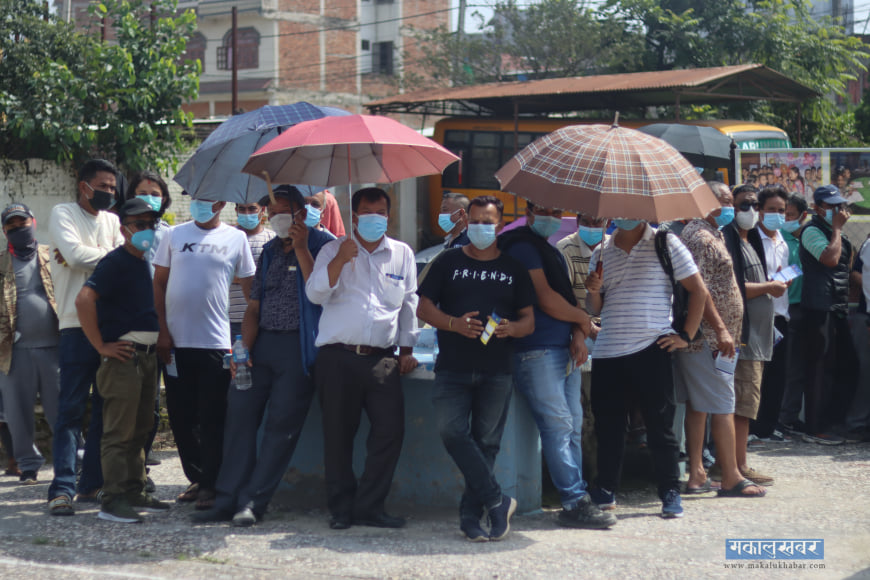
703, 146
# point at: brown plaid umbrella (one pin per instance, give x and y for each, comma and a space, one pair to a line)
608, 171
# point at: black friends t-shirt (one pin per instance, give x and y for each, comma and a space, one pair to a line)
458, 284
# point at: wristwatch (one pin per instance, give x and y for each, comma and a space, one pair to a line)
685, 336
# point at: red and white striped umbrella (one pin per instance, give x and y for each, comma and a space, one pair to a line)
608, 171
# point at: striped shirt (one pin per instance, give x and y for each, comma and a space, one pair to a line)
238, 304
636, 293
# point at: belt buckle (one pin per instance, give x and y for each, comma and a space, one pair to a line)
357, 350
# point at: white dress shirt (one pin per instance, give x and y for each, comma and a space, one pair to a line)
374, 302
776, 257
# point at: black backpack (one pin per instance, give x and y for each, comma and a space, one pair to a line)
681, 295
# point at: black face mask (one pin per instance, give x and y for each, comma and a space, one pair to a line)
22, 242
102, 200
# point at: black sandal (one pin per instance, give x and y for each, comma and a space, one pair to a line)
737, 490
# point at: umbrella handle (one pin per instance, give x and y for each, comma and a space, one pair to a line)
268, 185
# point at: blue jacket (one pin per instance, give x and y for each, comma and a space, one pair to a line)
309, 313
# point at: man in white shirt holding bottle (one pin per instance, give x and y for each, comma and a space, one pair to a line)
367, 286
81, 234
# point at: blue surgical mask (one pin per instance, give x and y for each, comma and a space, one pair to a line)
445, 223
249, 221
791, 226
829, 216
312, 216
202, 211
155, 201
725, 217
546, 225
142, 240
627, 225
481, 236
591, 236
371, 227
773, 221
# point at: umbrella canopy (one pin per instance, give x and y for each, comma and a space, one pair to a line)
702, 146
345, 150
608, 171
214, 170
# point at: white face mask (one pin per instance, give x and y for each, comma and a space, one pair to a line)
746, 220
281, 223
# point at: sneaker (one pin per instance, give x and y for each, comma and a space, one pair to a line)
145, 502
119, 510
605, 500
211, 516
473, 531
500, 517
149, 461
824, 438
672, 505
776, 437
149, 485
244, 518
27, 477
95, 496
756, 477
754, 442
796, 428
707, 459
586, 515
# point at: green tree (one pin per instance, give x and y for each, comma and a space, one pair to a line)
67, 95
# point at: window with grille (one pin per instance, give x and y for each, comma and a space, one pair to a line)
382, 58
196, 48
248, 51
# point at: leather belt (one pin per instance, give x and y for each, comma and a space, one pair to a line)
146, 348
364, 350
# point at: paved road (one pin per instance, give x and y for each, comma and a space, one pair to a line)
820, 492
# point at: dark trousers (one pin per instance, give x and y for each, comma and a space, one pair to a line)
645, 378
349, 384
793, 396
276, 404
197, 405
772, 384
829, 364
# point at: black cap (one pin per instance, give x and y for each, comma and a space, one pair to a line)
15, 209
829, 194
135, 206
288, 192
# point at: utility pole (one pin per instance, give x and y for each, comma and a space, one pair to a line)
460, 34
235, 62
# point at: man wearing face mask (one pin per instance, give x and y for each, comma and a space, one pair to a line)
279, 329
465, 289
28, 336
314, 212
194, 266
453, 220
757, 334
828, 355
116, 310
773, 202
577, 249
250, 221
81, 233
632, 355
546, 363
367, 286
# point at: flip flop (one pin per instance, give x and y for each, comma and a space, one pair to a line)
737, 490
706, 487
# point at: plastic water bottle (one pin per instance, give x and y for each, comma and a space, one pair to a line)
243, 372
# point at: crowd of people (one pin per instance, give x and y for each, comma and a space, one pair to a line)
742, 315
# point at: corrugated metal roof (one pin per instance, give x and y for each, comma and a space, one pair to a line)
686, 86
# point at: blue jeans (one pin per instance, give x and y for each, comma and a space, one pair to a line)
554, 399
471, 409
78, 362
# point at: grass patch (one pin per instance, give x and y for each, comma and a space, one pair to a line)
213, 560
41, 541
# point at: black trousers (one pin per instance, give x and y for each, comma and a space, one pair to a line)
646, 379
197, 406
772, 384
830, 364
349, 384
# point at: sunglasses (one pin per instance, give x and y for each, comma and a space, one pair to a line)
747, 205
142, 224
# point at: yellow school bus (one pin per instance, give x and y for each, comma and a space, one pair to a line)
486, 144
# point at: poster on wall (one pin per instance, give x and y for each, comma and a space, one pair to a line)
800, 171
850, 171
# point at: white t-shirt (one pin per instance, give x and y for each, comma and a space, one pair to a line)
202, 264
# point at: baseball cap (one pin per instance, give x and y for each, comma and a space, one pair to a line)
13, 210
288, 192
829, 194
135, 206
